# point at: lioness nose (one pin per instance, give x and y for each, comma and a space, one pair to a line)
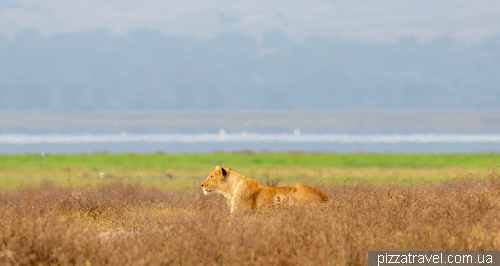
201, 185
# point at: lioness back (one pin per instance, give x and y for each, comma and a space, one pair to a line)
302, 194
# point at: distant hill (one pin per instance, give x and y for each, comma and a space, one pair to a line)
145, 70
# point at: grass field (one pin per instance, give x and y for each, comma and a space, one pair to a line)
131, 161
149, 209
186, 171
127, 224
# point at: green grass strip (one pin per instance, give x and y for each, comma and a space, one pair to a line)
130, 161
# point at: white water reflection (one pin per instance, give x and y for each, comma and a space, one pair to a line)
246, 138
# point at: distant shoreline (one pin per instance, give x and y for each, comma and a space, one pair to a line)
365, 119
23, 139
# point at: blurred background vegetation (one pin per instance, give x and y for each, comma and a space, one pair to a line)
186, 171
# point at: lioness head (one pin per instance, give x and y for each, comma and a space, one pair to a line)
214, 180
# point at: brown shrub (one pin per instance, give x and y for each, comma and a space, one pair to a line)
126, 224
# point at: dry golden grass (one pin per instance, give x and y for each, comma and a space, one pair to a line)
128, 224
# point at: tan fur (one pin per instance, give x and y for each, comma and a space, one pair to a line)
243, 194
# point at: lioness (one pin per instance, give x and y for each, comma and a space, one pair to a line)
243, 193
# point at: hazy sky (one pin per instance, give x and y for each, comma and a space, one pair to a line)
309, 54
368, 20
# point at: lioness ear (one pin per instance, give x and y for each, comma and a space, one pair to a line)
221, 170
